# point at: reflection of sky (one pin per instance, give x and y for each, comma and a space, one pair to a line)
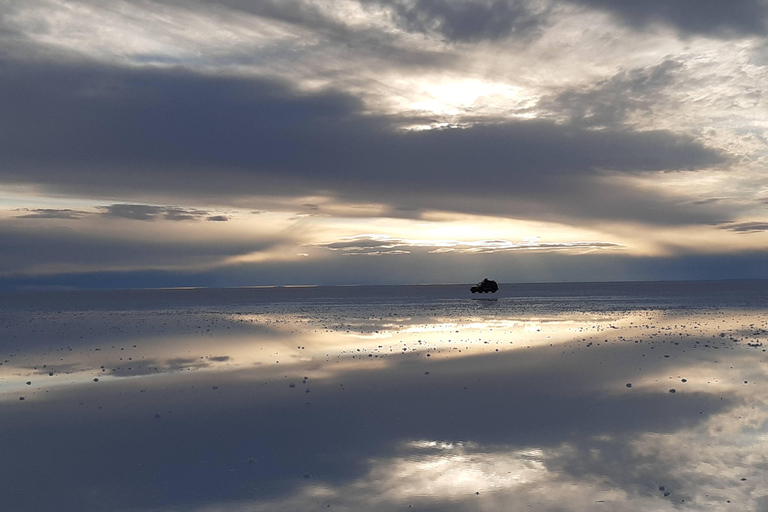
380, 405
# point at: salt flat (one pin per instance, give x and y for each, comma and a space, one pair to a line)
627, 396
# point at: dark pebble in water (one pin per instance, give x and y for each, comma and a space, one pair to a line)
667, 493
426, 373
215, 387
50, 374
307, 390
291, 385
96, 379
743, 479
477, 494
29, 383
673, 391
22, 398
662, 488
629, 384
684, 380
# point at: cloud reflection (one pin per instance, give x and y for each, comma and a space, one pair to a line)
286, 406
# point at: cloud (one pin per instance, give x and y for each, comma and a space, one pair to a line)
608, 102
287, 37
51, 213
737, 18
464, 20
100, 129
746, 227
125, 211
150, 213
377, 245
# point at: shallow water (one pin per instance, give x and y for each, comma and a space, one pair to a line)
543, 397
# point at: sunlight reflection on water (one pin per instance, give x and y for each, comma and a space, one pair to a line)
438, 404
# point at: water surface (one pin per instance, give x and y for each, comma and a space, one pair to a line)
627, 396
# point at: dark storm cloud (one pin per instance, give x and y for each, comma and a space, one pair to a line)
51, 213
90, 129
707, 17
465, 20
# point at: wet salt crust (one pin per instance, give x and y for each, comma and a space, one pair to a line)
619, 396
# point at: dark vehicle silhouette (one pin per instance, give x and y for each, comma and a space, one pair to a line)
485, 286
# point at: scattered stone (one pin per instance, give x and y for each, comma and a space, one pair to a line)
673, 390
629, 384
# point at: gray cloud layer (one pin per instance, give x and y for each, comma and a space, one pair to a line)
747, 227
709, 17
89, 128
51, 213
150, 213
465, 20
125, 211
608, 102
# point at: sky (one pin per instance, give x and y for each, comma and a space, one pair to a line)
165, 143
